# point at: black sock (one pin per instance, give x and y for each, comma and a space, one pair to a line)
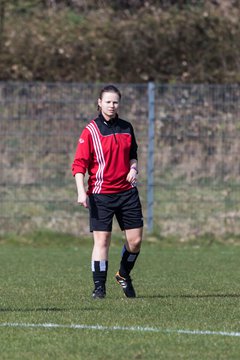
99, 271
127, 262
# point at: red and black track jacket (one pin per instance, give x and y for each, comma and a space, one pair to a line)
105, 149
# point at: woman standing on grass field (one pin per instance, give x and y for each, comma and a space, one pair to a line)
107, 149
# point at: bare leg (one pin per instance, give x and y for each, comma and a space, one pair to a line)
102, 240
133, 239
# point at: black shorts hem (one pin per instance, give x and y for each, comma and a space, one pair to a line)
135, 226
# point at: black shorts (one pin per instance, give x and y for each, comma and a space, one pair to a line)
126, 206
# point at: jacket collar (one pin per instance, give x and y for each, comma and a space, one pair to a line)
109, 123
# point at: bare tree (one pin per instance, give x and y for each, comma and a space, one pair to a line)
50, 3
2, 18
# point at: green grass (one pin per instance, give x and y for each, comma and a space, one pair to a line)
181, 287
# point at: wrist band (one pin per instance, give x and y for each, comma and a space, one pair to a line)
134, 168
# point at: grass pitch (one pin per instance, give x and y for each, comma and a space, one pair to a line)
187, 305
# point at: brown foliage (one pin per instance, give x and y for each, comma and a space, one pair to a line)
190, 44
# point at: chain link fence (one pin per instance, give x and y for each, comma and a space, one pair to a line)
40, 125
197, 168
196, 156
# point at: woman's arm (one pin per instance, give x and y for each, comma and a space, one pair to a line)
134, 165
132, 175
82, 195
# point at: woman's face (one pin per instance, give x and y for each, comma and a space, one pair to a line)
109, 104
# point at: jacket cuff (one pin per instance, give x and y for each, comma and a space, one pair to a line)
78, 169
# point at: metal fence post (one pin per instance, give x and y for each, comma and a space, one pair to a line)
150, 158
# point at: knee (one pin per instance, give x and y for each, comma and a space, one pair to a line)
102, 241
102, 244
134, 244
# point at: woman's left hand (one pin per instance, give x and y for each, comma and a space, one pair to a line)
132, 176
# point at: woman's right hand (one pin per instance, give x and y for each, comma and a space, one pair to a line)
83, 199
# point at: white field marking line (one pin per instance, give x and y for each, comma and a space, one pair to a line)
121, 328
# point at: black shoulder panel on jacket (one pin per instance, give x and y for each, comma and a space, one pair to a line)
113, 126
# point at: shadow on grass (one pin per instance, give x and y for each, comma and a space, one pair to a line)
44, 309
167, 296
189, 296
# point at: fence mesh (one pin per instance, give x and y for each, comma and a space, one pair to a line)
196, 171
40, 127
